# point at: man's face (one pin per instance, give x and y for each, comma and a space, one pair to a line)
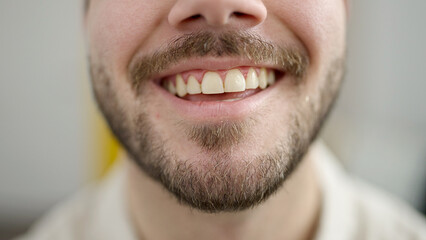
233, 132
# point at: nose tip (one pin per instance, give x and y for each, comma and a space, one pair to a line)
217, 12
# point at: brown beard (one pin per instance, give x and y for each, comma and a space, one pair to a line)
227, 44
222, 136
219, 183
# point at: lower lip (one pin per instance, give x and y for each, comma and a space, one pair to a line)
215, 110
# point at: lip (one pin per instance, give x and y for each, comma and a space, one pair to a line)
211, 64
215, 111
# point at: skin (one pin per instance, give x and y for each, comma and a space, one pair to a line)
153, 130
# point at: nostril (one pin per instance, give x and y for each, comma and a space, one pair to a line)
192, 18
239, 14
197, 16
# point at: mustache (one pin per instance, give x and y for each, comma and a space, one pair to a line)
290, 60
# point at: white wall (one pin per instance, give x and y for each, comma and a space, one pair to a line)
379, 126
42, 137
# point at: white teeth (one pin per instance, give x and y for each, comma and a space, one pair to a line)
234, 81
212, 83
193, 86
170, 87
271, 78
180, 86
252, 81
263, 82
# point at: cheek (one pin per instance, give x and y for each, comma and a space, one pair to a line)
319, 24
116, 29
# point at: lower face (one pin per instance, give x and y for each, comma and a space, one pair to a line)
219, 131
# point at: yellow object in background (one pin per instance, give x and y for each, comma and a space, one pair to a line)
103, 148
107, 148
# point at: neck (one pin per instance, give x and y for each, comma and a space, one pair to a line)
291, 213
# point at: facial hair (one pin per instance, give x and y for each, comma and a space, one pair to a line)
220, 183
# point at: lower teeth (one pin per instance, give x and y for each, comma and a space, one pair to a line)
232, 100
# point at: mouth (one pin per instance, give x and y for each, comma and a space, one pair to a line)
215, 90
220, 85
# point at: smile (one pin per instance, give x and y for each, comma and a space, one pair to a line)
217, 91
219, 85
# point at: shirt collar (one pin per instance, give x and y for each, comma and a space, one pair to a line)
338, 209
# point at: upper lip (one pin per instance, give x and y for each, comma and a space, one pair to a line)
211, 64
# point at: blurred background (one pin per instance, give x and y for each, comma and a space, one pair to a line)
52, 140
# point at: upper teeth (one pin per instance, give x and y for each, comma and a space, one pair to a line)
252, 81
263, 82
234, 81
180, 86
193, 86
212, 83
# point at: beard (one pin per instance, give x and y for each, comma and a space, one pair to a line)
220, 181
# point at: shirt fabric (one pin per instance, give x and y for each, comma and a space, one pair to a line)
351, 210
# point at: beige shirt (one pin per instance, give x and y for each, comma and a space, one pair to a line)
351, 210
